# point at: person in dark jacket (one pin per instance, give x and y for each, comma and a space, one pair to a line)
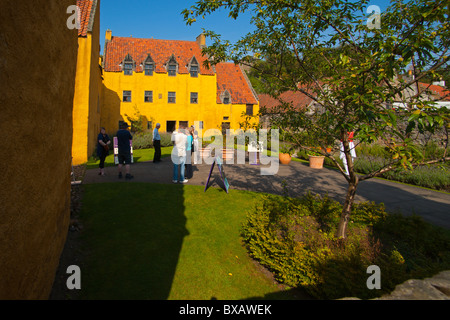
157, 144
103, 143
124, 153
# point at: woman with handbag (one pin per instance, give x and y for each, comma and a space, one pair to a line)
102, 149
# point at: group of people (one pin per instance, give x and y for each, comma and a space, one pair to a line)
124, 149
184, 139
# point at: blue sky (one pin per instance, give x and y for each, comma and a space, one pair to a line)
162, 19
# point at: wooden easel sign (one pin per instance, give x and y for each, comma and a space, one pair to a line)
222, 174
116, 150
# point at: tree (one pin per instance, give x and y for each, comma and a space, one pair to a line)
333, 52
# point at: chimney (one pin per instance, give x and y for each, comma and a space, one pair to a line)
201, 41
108, 35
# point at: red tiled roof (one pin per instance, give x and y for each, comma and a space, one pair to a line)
438, 91
230, 77
160, 51
296, 98
87, 12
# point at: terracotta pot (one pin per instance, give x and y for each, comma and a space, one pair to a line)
227, 154
285, 158
316, 162
205, 152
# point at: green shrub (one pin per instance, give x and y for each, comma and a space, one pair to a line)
142, 140
166, 139
145, 140
294, 239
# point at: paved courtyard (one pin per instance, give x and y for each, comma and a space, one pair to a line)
433, 206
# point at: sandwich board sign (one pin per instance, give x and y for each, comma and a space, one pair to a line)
219, 162
116, 151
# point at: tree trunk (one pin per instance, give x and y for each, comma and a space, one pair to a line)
347, 208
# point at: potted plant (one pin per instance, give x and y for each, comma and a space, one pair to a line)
205, 149
228, 150
285, 154
316, 158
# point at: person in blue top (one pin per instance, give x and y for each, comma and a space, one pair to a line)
189, 150
123, 143
157, 144
103, 142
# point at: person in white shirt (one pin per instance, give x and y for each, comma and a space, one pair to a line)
179, 155
196, 154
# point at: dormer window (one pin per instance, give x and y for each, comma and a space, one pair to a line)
128, 68
172, 70
194, 71
193, 67
149, 66
172, 66
225, 97
128, 65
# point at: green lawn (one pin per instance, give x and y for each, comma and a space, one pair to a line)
154, 241
139, 155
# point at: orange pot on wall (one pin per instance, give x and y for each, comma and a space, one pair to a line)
285, 158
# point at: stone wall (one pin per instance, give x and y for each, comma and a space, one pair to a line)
433, 288
37, 76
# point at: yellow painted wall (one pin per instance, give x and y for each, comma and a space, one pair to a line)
81, 102
207, 109
36, 99
94, 86
86, 104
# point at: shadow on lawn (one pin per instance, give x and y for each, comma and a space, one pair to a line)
131, 240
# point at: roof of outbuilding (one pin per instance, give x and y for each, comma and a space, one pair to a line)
231, 78
439, 92
296, 99
87, 13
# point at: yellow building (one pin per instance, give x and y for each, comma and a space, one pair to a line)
165, 82
88, 83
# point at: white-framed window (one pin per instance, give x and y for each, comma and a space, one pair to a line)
171, 97
172, 70
172, 66
128, 65
126, 96
225, 97
148, 96
194, 97
149, 66
193, 67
